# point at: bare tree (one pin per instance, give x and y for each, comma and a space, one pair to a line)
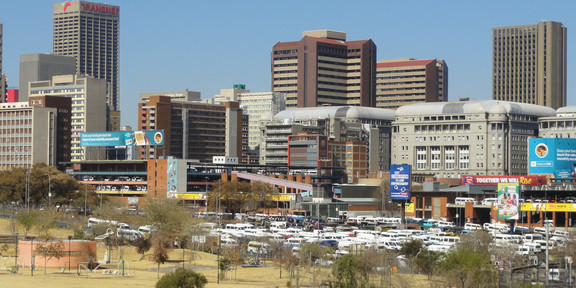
49, 250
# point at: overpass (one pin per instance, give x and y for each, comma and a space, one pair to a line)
274, 181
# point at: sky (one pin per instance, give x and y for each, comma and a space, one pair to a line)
211, 45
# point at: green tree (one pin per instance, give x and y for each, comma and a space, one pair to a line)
411, 249
50, 250
182, 278
463, 265
427, 261
346, 271
28, 220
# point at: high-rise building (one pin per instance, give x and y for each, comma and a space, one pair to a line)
177, 96
323, 69
27, 135
192, 130
88, 108
529, 64
409, 81
41, 67
91, 33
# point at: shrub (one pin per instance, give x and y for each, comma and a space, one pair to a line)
182, 278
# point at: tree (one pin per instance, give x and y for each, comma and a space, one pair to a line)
50, 250
27, 219
182, 278
345, 270
46, 221
463, 265
411, 249
143, 244
168, 217
233, 196
160, 254
427, 261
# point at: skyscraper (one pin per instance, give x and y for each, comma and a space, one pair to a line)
90, 32
323, 69
41, 67
529, 64
409, 81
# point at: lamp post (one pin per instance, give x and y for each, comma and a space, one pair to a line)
31, 238
85, 198
69, 251
49, 192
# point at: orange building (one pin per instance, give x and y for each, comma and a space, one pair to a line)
75, 252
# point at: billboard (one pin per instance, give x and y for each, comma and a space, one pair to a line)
494, 180
126, 138
399, 182
552, 156
508, 199
548, 207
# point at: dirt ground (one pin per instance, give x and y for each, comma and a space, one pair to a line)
144, 273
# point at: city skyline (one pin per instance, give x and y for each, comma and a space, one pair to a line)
212, 49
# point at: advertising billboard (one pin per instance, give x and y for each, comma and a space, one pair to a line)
552, 156
548, 207
399, 182
127, 138
494, 180
508, 199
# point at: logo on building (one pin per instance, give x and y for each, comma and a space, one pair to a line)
541, 150
469, 180
66, 4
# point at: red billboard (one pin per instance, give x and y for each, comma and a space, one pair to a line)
494, 180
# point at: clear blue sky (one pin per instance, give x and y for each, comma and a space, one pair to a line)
209, 45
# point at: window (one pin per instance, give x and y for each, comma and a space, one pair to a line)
420, 158
464, 157
449, 157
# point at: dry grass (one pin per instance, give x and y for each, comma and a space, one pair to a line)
144, 273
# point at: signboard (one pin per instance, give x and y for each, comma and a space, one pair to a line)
399, 182
410, 208
127, 138
548, 207
552, 156
494, 180
508, 199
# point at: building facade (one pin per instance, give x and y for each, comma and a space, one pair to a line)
91, 33
339, 123
63, 124
409, 81
323, 69
27, 135
41, 67
176, 96
88, 108
529, 64
452, 139
563, 125
192, 130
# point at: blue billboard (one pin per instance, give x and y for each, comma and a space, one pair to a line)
552, 156
127, 138
399, 182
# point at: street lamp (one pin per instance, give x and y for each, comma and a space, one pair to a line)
31, 239
69, 251
49, 192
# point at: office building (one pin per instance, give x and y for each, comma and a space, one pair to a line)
176, 96
12, 95
63, 130
451, 139
88, 108
339, 123
192, 130
230, 94
409, 81
529, 64
91, 33
27, 135
41, 67
562, 125
323, 69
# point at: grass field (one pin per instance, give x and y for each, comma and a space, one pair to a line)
144, 273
